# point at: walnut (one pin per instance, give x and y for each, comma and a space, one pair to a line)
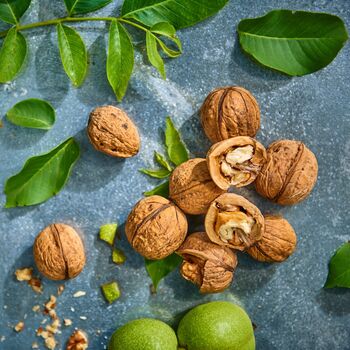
111, 131
236, 161
207, 264
59, 252
233, 221
156, 227
289, 174
192, 188
278, 241
78, 341
229, 112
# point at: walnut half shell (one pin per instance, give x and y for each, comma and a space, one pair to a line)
234, 222
236, 161
156, 227
207, 264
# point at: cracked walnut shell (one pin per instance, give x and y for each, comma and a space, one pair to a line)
236, 161
229, 112
111, 131
289, 174
192, 188
278, 241
59, 252
156, 227
207, 264
234, 222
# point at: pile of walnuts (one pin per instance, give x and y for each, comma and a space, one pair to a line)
285, 173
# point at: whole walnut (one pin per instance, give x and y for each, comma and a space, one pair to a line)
59, 252
192, 188
228, 112
278, 241
289, 174
156, 227
234, 222
207, 264
236, 161
111, 131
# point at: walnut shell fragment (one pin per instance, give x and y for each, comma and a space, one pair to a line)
192, 188
236, 161
289, 174
228, 112
207, 264
234, 222
111, 131
59, 252
278, 241
156, 227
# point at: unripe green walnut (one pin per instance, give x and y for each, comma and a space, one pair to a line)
218, 325
145, 334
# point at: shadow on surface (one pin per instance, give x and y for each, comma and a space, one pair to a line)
334, 301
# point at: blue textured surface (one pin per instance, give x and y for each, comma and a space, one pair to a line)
286, 302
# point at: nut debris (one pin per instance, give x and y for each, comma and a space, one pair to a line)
19, 327
78, 341
79, 294
24, 274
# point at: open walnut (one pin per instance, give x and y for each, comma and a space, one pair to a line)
192, 188
233, 221
236, 161
207, 264
277, 243
228, 112
156, 227
289, 174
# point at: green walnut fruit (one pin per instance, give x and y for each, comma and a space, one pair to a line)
218, 325
144, 334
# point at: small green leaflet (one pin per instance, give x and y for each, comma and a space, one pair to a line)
293, 42
158, 269
158, 174
42, 177
120, 59
12, 10
339, 268
84, 6
32, 113
180, 13
153, 54
108, 233
161, 190
12, 55
73, 54
162, 161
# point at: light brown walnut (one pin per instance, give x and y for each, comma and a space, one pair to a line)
156, 227
228, 112
59, 252
111, 131
207, 264
192, 188
289, 174
278, 241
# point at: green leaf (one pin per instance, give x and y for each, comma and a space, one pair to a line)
32, 113
42, 176
12, 55
120, 59
161, 190
168, 31
12, 10
159, 174
177, 151
84, 6
339, 268
73, 54
158, 269
180, 13
293, 42
162, 161
108, 233
153, 54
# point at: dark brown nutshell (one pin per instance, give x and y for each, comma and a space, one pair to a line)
228, 112
278, 241
192, 188
206, 264
59, 252
111, 131
290, 173
156, 227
